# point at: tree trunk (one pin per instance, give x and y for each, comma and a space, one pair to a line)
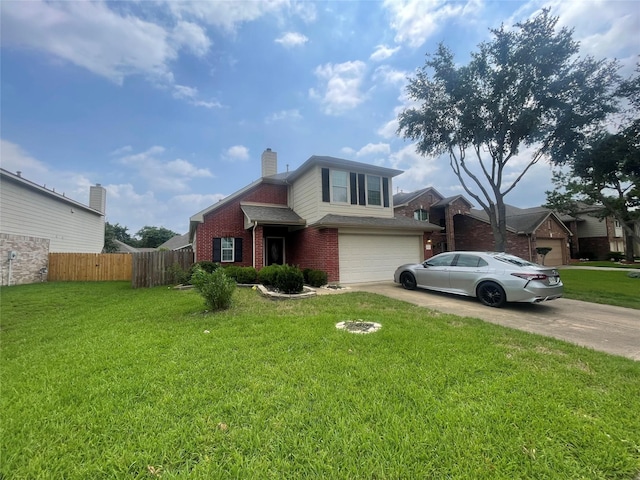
628, 246
500, 232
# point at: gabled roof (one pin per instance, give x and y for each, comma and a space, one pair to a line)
449, 200
522, 220
394, 223
271, 214
176, 243
404, 198
334, 162
287, 177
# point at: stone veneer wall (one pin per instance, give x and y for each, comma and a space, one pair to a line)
32, 255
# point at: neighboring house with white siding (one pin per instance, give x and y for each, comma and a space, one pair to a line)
330, 214
34, 218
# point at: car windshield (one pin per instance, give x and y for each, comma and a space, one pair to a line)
512, 259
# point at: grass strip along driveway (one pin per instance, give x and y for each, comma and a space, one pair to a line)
102, 381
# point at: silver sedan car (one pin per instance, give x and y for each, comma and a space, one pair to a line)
493, 277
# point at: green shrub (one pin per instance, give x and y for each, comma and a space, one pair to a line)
178, 275
615, 256
289, 279
246, 275
316, 278
216, 288
205, 265
305, 274
267, 275
231, 271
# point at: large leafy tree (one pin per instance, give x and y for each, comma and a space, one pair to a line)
607, 172
115, 232
153, 237
526, 88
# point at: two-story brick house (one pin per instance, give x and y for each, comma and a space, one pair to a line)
330, 214
594, 235
469, 229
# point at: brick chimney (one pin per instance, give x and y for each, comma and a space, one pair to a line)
269, 163
98, 198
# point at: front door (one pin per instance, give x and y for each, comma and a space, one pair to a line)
275, 251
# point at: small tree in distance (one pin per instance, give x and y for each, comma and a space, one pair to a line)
526, 88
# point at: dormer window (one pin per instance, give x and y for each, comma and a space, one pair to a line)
340, 185
421, 214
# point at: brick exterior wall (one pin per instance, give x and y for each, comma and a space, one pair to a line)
472, 234
466, 233
594, 248
228, 221
442, 216
32, 255
317, 249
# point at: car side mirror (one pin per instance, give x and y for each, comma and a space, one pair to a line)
426, 264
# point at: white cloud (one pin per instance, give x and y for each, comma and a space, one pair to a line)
92, 36
171, 176
348, 151
15, 159
72, 184
417, 20
340, 88
284, 115
382, 52
236, 153
192, 37
225, 15
611, 33
419, 171
390, 75
374, 149
122, 150
182, 91
291, 39
191, 95
388, 130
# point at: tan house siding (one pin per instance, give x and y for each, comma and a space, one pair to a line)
306, 194
69, 226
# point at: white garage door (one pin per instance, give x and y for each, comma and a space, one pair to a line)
372, 258
554, 257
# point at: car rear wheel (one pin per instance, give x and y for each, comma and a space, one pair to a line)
408, 281
491, 294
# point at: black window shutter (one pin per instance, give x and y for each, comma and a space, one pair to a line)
385, 191
325, 185
237, 250
217, 249
361, 190
353, 178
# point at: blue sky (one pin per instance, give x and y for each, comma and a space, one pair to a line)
169, 104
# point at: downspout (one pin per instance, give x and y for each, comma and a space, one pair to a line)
530, 253
255, 224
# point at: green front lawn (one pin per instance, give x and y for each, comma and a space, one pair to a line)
102, 381
602, 286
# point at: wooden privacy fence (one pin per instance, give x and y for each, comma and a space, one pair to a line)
89, 267
156, 268
143, 269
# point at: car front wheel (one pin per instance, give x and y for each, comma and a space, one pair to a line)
491, 294
408, 281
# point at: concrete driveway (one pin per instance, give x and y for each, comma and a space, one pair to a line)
609, 329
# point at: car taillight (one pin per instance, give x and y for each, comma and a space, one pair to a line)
530, 276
